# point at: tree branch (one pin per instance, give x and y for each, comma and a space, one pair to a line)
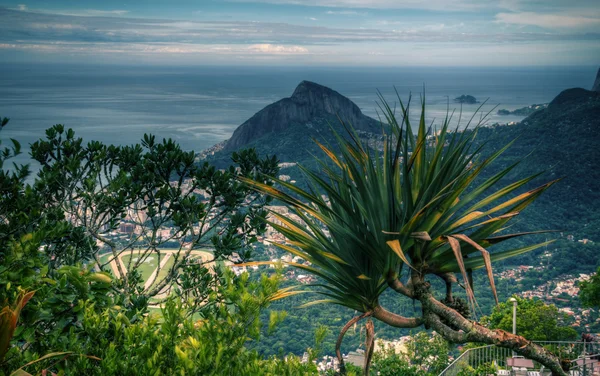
395, 284
338, 343
433, 311
396, 320
369, 346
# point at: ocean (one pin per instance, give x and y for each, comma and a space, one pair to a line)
201, 106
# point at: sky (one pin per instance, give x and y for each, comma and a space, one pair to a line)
303, 32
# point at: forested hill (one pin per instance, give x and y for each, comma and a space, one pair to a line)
562, 140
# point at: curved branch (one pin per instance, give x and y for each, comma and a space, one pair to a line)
396, 320
395, 284
369, 345
338, 343
450, 334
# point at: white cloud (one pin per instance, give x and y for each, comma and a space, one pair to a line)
181, 41
277, 49
57, 26
410, 54
176, 52
312, 19
548, 21
584, 8
77, 13
435, 27
36, 27
581, 7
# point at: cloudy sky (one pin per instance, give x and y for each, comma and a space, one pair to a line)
303, 32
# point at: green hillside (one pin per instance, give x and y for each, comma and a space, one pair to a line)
561, 141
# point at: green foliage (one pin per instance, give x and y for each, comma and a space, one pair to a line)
589, 292
149, 187
485, 369
429, 352
560, 140
536, 320
390, 364
84, 321
415, 207
172, 343
52, 232
425, 355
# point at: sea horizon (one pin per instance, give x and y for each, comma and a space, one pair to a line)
202, 106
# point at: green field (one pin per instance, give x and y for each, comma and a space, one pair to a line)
146, 268
105, 257
150, 264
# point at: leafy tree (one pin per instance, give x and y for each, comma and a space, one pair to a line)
54, 228
482, 369
536, 320
172, 343
157, 193
376, 220
589, 291
425, 355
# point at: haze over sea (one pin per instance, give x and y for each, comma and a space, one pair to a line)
201, 106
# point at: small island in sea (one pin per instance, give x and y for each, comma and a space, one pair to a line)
468, 99
524, 111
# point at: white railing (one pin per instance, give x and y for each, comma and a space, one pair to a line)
582, 354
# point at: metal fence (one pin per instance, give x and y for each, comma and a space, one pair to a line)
582, 354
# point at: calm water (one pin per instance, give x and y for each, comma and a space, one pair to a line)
200, 106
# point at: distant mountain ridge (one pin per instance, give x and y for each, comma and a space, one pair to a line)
561, 140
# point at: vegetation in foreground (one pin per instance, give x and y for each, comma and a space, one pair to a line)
75, 319
372, 216
62, 309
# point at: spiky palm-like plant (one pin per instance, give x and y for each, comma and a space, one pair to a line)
413, 207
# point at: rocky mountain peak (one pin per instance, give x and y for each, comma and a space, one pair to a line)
309, 104
304, 88
322, 98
